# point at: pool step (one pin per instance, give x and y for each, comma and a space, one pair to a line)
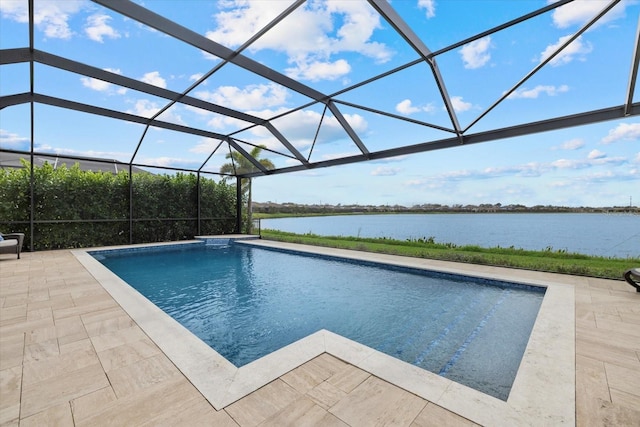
415, 331
445, 332
435, 336
472, 336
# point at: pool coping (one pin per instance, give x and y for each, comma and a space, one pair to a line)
543, 391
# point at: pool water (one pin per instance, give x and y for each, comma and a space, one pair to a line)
246, 302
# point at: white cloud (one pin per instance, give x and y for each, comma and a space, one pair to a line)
153, 78
531, 169
476, 54
356, 121
594, 159
457, 174
95, 84
248, 98
206, 145
101, 85
576, 50
385, 171
226, 123
240, 21
572, 144
119, 155
624, 131
98, 27
561, 184
11, 139
196, 77
309, 36
536, 91
459, 105
359, 21
317, 71
15, 10
50, 16
168, 162
604, 160
568, 164
579, 12
429, 6
406, 107
146, 108
609, 176
596, 154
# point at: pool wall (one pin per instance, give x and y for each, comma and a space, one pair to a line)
543, 392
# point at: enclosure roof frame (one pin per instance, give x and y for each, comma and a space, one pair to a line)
329, 101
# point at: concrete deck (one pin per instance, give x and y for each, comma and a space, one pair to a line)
71, 355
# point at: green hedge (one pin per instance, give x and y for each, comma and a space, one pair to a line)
165, 207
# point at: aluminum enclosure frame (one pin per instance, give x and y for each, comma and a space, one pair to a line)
460, 136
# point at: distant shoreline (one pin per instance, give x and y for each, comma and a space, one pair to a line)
269, 209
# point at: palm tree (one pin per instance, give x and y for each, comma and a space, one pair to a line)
240, 164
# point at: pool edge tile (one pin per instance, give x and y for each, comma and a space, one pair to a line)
260, 372
411, 378
348, 350
548, 362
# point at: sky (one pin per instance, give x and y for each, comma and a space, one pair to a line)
332, 46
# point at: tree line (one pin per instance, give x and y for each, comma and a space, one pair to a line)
324, 209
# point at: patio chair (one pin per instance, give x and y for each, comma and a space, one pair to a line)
11, 243
633, 277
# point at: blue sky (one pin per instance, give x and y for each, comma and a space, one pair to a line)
333, 45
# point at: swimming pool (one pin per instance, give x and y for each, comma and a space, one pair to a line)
246, 302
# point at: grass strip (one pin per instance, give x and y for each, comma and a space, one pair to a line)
548, 260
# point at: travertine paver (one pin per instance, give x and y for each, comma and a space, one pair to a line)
262, 403
69, 355
607, 354
303, 411
434, 415
376, 402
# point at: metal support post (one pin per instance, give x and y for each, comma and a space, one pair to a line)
238, 204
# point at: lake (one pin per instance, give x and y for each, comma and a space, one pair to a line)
609, 235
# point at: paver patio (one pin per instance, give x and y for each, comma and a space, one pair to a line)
70, 355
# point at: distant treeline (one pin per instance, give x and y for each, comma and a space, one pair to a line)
323, 209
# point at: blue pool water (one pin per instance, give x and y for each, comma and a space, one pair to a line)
247, 302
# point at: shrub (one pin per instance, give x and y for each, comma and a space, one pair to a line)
74, 208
